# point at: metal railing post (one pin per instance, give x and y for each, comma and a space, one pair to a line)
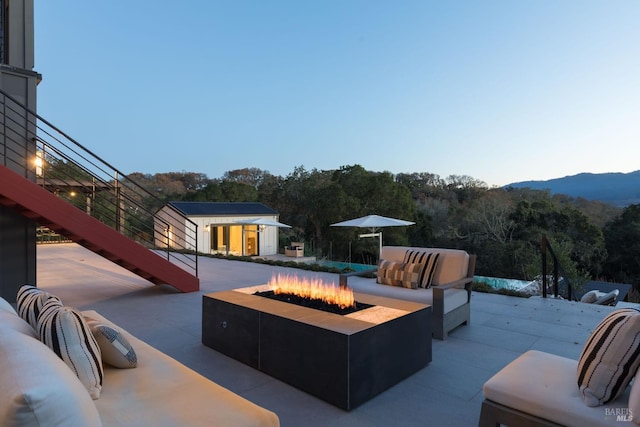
543, 250
555, 277
557, 270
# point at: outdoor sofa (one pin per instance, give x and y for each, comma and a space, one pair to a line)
543, 389
439, 277
38, 388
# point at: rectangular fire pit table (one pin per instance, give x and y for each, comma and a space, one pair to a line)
344, 360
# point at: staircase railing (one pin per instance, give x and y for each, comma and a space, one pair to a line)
558, 272
72, 172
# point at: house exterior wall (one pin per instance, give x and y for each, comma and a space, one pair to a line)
169, 230
215, 227
267, 240
17, 148
20, 46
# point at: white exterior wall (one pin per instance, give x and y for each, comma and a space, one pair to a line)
267, 241
184, 234
175, 235
203, 235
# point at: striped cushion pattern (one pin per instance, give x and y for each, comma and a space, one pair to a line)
428, 261
411, 275
393, 273
29, 302
64, 330
114, 347
390, 272
610, 357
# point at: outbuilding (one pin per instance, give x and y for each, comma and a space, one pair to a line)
229, 228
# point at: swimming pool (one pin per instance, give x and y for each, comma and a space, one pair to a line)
494, 282
342, 265
500, 283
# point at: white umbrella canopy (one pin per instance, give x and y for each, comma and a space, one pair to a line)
373, 222
262, 221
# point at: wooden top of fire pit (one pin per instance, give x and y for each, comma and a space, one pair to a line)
383, 310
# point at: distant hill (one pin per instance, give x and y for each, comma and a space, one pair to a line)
618, 189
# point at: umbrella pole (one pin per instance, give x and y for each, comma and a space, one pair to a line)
380, 251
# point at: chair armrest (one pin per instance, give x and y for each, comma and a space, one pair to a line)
465, 282
344, 277
438, 293
461, 283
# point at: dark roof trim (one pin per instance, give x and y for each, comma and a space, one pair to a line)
222, 208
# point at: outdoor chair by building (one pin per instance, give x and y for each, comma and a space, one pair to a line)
296, 249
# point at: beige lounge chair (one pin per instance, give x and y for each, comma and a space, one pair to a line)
296, 249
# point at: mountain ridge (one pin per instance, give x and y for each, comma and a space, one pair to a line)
615, 188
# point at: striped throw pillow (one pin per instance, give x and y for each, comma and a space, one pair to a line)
390, 273
411, 275
64, 330
610, 357
114, 346
399, 274
29, 302
429, 263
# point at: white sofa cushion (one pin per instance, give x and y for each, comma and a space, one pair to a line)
162, 392
634, 400
6, 307
610, 357
64, 331
591, 296
10, 319
36, 387
544, 385
453, 298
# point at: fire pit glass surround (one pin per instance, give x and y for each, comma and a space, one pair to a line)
312, 293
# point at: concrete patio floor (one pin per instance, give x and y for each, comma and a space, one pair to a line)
448, 392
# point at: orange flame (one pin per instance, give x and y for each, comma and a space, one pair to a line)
313, 289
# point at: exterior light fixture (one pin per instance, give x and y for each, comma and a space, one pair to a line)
39, 162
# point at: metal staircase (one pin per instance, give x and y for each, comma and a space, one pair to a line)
71, 191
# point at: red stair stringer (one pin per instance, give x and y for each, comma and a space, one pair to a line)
38, 204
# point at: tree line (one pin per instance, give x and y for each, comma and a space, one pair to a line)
502, 226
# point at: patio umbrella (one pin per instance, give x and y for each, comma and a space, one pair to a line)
373, 223
262, 221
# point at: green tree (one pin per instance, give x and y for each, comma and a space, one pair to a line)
578, 243
370, 193
622, 236
251, 176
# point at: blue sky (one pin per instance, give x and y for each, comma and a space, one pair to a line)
502, 91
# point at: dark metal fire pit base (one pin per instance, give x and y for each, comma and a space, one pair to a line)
343, 360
